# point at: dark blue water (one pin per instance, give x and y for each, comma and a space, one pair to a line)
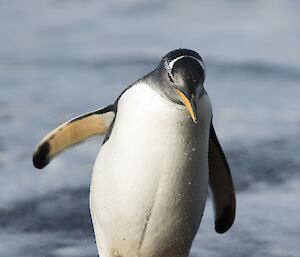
59, 59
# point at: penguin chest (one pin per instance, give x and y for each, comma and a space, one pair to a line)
150, 179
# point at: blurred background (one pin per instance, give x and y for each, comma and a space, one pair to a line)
62, 58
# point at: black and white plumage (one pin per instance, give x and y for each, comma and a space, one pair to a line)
160, 153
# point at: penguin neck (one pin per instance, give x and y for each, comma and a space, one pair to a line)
148, 97
154, 80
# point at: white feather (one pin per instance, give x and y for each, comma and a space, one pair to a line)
171, 63
150, 178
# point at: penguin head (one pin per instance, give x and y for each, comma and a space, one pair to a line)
181, 75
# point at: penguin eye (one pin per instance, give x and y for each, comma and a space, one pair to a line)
170, 78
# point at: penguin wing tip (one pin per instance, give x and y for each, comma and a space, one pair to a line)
220, 229
225, 221
40, 156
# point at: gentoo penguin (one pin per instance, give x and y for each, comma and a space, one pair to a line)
159, 156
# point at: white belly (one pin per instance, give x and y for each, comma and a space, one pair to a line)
150, 178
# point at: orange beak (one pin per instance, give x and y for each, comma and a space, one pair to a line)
189, 106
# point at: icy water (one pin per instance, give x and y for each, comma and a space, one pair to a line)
59, 59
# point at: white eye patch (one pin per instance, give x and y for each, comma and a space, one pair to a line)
169, 65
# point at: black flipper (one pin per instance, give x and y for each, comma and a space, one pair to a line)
221, 185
